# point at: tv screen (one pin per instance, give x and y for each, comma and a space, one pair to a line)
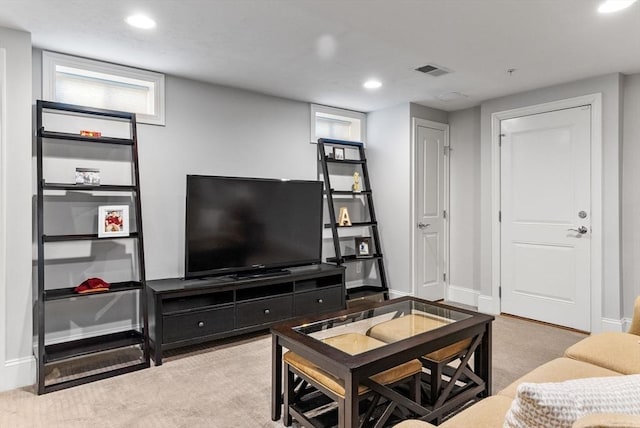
237, 225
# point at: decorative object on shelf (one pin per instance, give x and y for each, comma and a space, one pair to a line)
356, 182
338, 153
92, 285
113, 221
363, 246
88, 176
343, 217
87, 133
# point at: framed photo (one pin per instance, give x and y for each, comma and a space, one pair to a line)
113, 221
338, 153
363, 246
88, 176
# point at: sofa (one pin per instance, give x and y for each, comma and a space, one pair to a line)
595, 384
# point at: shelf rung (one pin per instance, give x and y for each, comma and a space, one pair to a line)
57, 386
67, 293
78, 137
349, 192
84, 110
352, 258
92, 345
353, 224
85, 187
332, 142
346, 161
83, 237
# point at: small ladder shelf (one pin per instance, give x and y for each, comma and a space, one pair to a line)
333, 172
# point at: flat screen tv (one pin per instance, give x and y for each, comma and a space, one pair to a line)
251, 225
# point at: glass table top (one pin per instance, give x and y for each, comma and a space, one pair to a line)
367, 329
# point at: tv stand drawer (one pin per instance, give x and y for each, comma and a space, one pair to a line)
196, 324
318, 301
264, 311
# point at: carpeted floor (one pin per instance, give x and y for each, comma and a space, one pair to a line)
227, 384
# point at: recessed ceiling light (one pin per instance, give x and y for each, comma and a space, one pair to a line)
372, 84
141, 21
610, 6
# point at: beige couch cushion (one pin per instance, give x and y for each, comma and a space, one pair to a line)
615, 351
351, 343
558, 370
634, 328
486, 413
560, 404
413, 423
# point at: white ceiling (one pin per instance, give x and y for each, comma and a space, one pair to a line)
321, 51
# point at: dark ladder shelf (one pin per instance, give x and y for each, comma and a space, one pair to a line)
119, 344
367, 199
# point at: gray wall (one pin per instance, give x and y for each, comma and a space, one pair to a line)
219, 131
389, 157
630, 155
15, 204
609, 86
464, 199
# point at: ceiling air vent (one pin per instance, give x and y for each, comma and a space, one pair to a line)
433, 70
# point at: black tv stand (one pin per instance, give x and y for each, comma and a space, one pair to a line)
188, 311
265, 273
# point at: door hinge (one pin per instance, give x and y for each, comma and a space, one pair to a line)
500, 292
500, 216
444, 214
444, 277
500, 140
447, 149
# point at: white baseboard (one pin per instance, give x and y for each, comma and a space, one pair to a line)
488, 305
394, 294
465, 296
609, 324
17, 373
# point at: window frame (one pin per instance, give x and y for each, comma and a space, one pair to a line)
350, 114
52, 59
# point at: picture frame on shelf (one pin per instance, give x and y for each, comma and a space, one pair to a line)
88, 176
338, 153
113, 221
363, 246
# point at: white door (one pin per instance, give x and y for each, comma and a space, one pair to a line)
430, 262
546, 218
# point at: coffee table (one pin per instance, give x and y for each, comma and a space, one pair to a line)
411, 338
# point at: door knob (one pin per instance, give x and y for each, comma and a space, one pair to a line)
581, 230
423, 225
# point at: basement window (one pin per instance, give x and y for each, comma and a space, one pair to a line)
337, 124
74, 80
